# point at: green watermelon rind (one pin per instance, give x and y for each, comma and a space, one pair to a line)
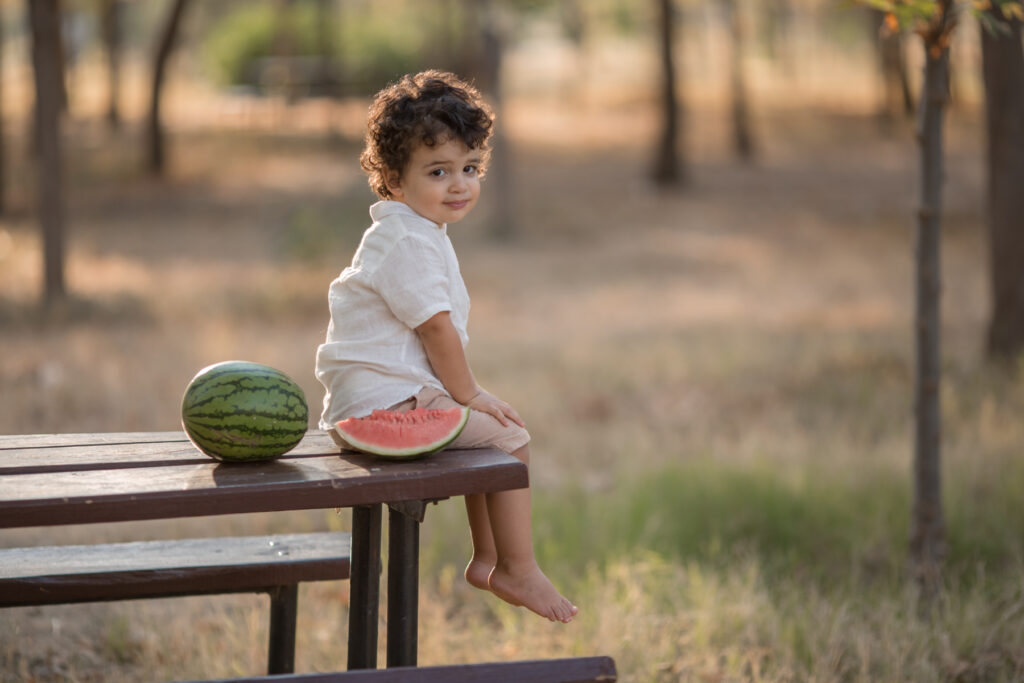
410, 453
238, 411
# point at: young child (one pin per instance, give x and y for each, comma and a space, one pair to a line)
398, 314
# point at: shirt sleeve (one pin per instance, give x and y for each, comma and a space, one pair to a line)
413, 281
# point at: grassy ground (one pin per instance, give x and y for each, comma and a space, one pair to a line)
717, 380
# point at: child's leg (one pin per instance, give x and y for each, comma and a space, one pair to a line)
485, 556
516, 577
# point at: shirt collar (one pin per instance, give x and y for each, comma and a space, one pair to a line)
391, 207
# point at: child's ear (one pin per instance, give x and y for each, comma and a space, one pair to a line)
394, 183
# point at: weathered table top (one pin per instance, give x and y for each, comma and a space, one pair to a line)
88, 478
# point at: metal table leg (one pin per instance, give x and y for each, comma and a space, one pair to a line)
403, 581
364, 587
284, 609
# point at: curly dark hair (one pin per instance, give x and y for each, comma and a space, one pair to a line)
427, 108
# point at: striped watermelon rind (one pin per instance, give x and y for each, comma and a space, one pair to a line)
404, 435
241, 411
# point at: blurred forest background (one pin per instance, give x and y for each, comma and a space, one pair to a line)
712, 348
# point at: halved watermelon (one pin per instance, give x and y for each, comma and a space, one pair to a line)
409, 434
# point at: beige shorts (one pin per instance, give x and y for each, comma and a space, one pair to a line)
481, 431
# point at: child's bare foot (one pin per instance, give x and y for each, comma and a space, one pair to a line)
527, 586
477, 572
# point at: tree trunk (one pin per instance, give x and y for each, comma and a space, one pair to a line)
503, 223
1003, 70
743, 143
46, 37
573, 22
777, 18
156, 162
62, 59
927, 538
283, 78
483, 54
110, 23
3, 146
326, 81
897, 101
666, 170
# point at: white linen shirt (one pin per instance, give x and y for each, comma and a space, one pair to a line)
404, 272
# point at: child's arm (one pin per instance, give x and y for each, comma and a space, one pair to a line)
447, 357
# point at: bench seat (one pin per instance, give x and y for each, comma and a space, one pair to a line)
152, 569
51, 575
566, 670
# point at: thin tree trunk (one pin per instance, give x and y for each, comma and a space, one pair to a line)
897, 100
573, 22
927, 538
1003, 70
283, 79
62, 59
156, 161
326, 79
503, 222
667, 168
46, 38
777, 20
743, 143
110, 22
3, 146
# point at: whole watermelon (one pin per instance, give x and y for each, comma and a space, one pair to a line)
237, 410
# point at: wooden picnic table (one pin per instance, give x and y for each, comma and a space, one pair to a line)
50, 480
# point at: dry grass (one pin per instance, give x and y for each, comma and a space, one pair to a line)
745, 339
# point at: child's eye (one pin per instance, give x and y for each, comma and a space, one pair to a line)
470, 170
438, 173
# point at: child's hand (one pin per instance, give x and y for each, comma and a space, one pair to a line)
488, 403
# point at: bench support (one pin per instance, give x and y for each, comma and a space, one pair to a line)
403, 582
284, 610
364, 587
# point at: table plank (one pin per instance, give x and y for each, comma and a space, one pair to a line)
191, 489
78, 452
18, 441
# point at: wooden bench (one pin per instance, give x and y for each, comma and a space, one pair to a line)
568, 670
158, 569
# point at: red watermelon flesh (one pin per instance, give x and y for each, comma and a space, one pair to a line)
406, 434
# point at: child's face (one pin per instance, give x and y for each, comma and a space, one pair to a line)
440, 183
